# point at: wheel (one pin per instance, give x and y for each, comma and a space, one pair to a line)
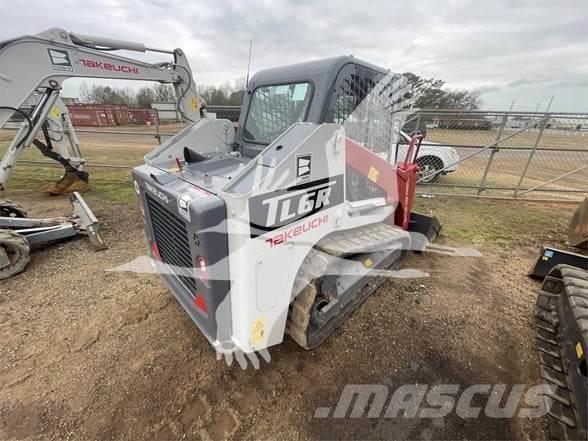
427, 166
11, 209
15, 253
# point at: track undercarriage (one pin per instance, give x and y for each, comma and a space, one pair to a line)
338, 275
562, 338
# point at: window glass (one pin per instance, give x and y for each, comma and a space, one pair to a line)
275, 108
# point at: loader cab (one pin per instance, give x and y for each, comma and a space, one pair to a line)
319, 91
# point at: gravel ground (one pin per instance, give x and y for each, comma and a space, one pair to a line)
88, 353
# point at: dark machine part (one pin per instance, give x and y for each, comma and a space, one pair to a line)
578, 231
427, 229
562, 341
11, 209
577, 237
551, 257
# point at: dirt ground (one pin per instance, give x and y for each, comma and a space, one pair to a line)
92, 354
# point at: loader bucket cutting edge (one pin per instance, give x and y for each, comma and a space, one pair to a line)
88, 222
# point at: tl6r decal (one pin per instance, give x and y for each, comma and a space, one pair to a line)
279, 208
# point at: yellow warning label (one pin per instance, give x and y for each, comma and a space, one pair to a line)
368, 263
373, 174
194, 104
257, 330
55, 113
579, 350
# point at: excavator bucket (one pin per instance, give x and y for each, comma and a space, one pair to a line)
578, 231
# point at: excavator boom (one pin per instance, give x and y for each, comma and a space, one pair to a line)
40, 63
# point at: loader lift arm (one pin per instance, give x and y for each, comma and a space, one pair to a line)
40, 63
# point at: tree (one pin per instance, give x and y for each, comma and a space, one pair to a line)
107, 95
227, 94
428, 93
164, 93
145, 96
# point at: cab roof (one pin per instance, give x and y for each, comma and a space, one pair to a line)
310, 70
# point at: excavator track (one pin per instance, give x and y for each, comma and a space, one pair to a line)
11, 209
561, 319
308, 293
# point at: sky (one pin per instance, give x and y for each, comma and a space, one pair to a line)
526, 51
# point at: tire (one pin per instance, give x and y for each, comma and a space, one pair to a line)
11, 209
18, 251
427, 166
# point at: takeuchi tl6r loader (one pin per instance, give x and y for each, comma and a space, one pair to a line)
282, 226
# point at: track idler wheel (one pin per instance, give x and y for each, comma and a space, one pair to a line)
15, 253
11, 209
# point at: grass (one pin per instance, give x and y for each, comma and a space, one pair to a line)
111, 186
468, 221
552, 139
488, 223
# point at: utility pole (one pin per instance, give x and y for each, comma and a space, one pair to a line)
512, 105
550, 102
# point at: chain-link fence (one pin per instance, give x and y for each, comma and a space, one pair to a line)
504, 154
476, 154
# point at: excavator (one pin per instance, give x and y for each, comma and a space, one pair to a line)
288, 224
37, 65
33, 69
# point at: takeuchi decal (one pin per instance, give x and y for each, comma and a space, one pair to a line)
109, 66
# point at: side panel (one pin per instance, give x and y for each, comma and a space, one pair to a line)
273, 227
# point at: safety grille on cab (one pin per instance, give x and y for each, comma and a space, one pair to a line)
173, 243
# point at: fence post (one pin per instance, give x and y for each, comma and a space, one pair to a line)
493, 152
531, 155
155, 116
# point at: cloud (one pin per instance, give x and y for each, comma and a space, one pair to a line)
503, 44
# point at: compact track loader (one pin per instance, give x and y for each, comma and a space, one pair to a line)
286, 224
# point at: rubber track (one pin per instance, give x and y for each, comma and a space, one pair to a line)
572, 282
307, 289
7, 207
19, 252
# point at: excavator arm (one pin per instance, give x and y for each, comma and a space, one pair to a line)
40, 63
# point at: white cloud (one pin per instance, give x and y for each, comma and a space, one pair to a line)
504, 47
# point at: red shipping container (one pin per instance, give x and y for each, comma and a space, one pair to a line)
107, 115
